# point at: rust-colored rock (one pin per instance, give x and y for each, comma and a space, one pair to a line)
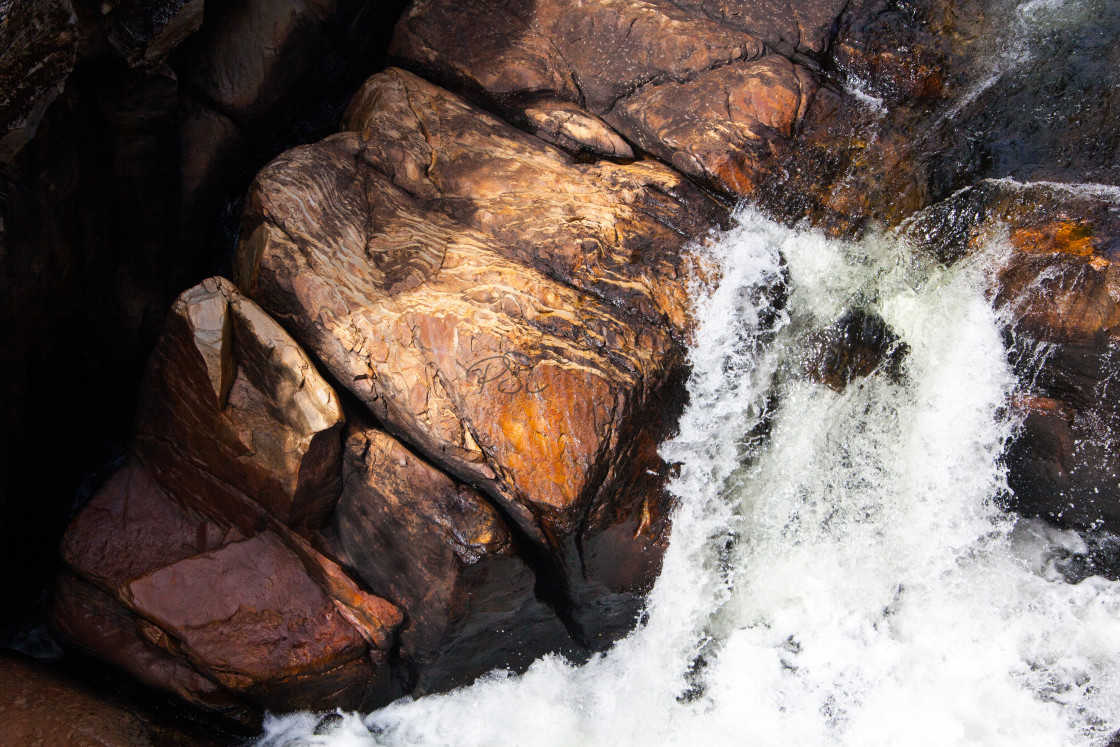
514, 383
440, 551
234, 411
617, 231
250, 618
703, 84
39, 707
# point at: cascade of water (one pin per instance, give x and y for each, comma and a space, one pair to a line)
849, 580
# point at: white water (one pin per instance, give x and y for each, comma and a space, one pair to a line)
851, 582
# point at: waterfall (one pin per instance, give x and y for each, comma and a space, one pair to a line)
848, 580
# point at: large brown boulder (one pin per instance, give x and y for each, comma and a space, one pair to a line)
535, 393
618, 232
1059, 290
707, 86
440, 551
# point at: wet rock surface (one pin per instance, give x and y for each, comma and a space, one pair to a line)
1056, 283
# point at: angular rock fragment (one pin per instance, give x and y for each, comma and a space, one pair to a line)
235, 413
440, 551
703, 85
520, 386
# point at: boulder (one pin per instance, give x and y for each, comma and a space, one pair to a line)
1056, 283
39, 40
709, 86
440, 551
234, 413
536, 394
856, 345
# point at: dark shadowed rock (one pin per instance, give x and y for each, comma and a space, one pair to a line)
144, 33
235, 412
857, 345
39, 43
441, 552
697, 83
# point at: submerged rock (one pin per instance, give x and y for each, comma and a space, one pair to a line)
857, 345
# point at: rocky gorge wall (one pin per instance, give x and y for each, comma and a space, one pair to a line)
413, 435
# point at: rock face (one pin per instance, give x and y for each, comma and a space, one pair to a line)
442, 552
709, 87
190, 576
531, 391
1058, 288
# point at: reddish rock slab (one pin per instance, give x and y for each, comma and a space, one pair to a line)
144, 33
234, 412
249, 617
131, 527
102, 626
441, 552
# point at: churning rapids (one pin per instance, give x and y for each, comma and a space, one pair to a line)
848, 580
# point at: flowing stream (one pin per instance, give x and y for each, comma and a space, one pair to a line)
850, 579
